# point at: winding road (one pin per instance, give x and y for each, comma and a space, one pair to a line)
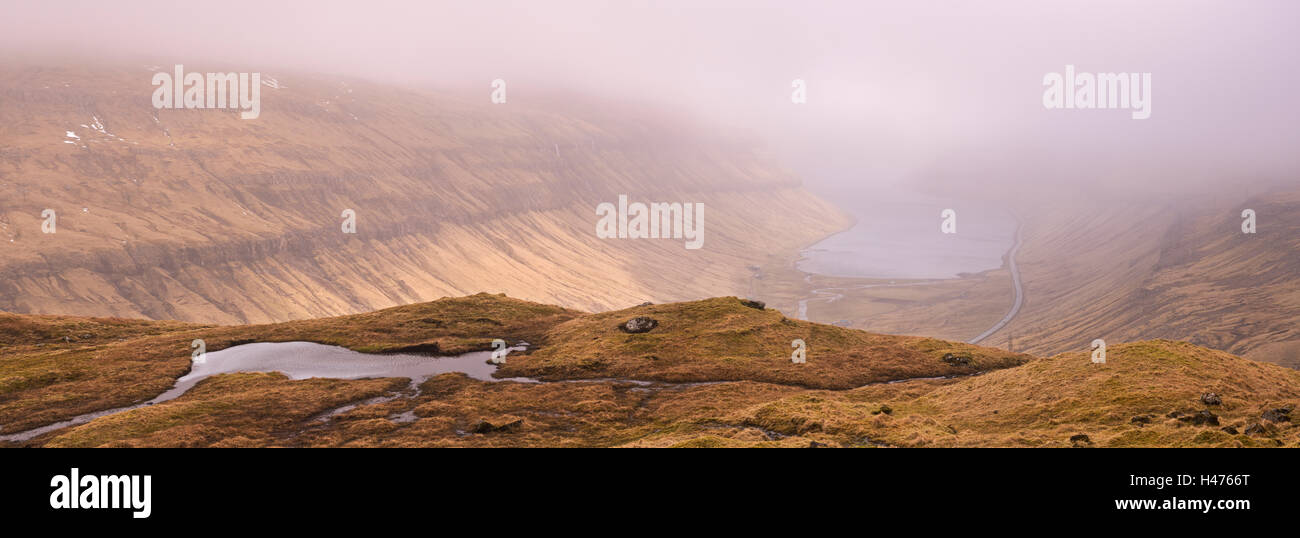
1019, 289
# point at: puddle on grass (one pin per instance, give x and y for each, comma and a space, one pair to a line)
305, 360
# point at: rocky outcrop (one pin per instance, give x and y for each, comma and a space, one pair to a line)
1200, 418
1280, 414
638, 325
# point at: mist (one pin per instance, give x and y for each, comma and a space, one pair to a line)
947, 96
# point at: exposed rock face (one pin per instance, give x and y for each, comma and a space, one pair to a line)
639, 324
759, 305
1080, 440
197, 215
1211, 398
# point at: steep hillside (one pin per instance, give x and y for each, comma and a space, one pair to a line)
1116, 269
201, 216
1138, 271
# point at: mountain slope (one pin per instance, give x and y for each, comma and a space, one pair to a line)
200, 216
1119, 269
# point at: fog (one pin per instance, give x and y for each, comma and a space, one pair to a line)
945, 95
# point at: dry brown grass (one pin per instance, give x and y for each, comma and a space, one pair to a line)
131, 362
1040, 403
720, 339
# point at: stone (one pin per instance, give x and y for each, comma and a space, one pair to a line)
1281, 414
483, 426
1201, 418
1080, 440
639, 324
956, 360
757, 305
1211, 398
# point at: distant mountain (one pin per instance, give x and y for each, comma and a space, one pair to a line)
1129, 271
1119, 269
201, 216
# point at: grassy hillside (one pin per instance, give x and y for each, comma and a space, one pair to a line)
108, 363
721, 377
723, 340
1125, 402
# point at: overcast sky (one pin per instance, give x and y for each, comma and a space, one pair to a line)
897, 91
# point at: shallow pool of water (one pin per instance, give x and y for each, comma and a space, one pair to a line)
304, 360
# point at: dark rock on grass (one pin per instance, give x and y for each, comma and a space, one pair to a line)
1256, 428
815, 444
1229, 429
483, 426
1281, 414
647, 303
956, 360
1080, 440
884, 409
757, 305
639, 324
1175, 414
1142, 419
1211, 398
1201, 418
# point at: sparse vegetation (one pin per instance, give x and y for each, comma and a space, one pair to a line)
721, 371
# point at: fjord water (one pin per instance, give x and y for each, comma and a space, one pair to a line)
303, 360
897, 235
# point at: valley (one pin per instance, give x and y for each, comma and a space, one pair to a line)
1124, 271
